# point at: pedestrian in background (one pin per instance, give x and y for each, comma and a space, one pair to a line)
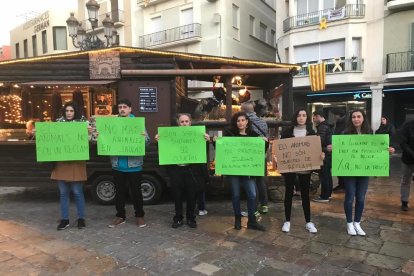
301, 127
127, 172
324, 131
407, 158
340, 120
356, 186
71, 175
260, 127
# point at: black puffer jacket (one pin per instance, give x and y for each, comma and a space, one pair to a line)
407, 143
324, 130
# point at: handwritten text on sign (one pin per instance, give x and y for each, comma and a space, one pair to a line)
62, 141
298, 154
121, 136
182, 145
360, 155
240, 156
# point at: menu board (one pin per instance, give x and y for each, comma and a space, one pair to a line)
148, 99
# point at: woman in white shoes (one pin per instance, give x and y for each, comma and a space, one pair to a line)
301, 127
356, 186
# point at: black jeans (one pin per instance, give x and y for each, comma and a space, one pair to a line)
325, 175
184, 187
304, 183
125, 181
261, 191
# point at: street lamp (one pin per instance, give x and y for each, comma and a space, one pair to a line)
84, 41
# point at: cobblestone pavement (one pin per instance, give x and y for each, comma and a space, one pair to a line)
30, 244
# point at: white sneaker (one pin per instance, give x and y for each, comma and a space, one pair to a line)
351, 229
358, 229
286, 227
311, 227
202, 212
244, 214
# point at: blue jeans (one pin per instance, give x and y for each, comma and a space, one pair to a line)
249, 187
77, 189
355, 187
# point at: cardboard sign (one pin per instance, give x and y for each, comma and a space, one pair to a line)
182, 145
121, 136
298, 154
360, 155
240, 156
62, 141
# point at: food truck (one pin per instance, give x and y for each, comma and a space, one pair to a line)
160, 84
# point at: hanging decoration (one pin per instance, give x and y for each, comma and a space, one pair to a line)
10, 109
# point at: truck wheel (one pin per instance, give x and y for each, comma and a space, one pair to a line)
151, 188
103, 189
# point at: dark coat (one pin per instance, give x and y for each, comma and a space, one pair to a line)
407, 143
340, 126
324, 131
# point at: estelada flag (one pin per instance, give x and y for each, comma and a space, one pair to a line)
317, 76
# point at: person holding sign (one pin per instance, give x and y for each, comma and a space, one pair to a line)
186, 178
241, 127
127, 176
301, 127
356, 186
70, 175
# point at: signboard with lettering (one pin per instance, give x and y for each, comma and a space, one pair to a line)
62, 141
240, 156
298, 154
121, 136
360, 155
148, 99
182, 145
38, 23
104, 65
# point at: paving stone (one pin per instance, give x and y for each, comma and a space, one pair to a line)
267, 270
397, 235
206, 269
317, 248
360, 267
383, 261
408, 267
347, 253
398, 250
365, 243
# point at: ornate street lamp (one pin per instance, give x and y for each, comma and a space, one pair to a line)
84, 41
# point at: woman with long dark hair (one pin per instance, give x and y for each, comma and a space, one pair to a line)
301, 127
70, 175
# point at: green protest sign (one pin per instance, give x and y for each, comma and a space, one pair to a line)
62, 141
182, 145
121, 136
360, 155
240, 156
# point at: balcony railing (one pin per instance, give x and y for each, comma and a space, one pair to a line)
313, 18
400, 62
170, 35
347, 65
116, 15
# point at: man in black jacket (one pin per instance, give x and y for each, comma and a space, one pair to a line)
407, 158
324, 131
340, 120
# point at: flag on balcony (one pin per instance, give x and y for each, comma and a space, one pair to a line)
317, 76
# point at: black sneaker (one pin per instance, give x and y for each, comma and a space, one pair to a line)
64, 223
192, 223
81, 223
404, 206
177, 223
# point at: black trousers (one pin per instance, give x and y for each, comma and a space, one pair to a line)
184, 187
304, 184
125, 181
325, 177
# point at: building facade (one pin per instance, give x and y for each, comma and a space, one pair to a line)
5, 53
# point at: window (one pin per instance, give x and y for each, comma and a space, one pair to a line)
273, 38
187, 28
252, 26
412, 36
25, 50
320, 51
307, 6
156, 27
17, 47
44, 42
263, 32
60, 38
34, 45
236, 16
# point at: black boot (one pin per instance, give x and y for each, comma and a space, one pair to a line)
404, 205
253, 224
237, 222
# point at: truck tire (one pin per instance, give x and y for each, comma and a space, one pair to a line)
151, 188
103, 190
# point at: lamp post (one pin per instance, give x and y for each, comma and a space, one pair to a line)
84, 41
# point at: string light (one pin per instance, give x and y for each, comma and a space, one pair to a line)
10, 106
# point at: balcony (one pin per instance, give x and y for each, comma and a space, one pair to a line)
148, 3
313, 18
175, 36
400, 62
347, 65
395, 5
116, 15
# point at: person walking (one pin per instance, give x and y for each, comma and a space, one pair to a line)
407, 158
301, 127
71, 175
260, 127
186, 180
323, 130
356, 186
127, 172
340, 120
